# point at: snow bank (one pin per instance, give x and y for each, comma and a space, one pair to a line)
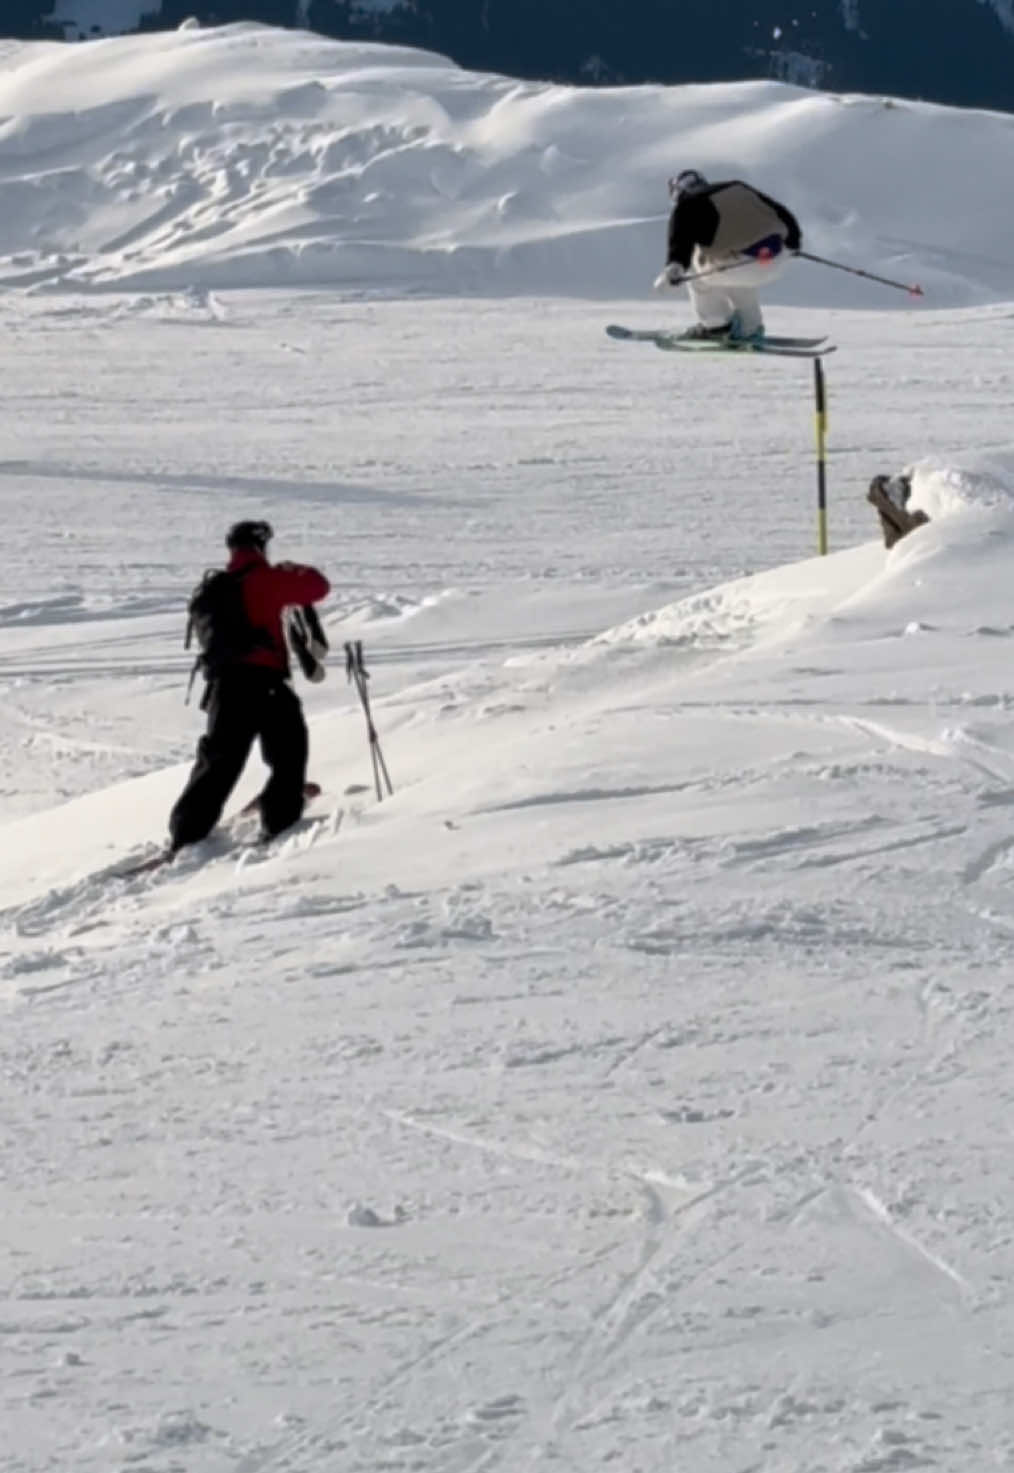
953, 573
961, 558
985, 482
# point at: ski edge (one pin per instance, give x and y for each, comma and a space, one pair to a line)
767, 348
661, 335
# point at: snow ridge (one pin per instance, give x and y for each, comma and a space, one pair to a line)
242, 156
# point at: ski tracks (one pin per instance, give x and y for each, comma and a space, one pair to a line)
518, 1433
634, 1302
981, 757
48, 932
839, 1180
880, 1214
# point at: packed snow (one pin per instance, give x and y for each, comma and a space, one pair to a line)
628, 1089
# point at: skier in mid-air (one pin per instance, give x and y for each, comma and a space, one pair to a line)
725, 241
237, 616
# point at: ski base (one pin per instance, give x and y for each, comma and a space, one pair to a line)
669, 341
764, 346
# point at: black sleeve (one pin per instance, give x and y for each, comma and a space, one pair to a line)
794, 237
693, 222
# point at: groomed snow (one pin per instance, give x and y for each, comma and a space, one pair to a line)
629, 1089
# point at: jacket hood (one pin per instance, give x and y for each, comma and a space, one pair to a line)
245, 557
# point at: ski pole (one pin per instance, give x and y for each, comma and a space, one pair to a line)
914, 290
357, 673
726, 266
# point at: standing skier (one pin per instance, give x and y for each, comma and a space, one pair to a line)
735, 228
237, 617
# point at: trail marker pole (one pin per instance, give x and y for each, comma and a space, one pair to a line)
820, 400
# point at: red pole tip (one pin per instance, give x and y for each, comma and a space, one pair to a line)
916, 291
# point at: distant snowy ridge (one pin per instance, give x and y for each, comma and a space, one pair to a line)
246, 156
955, 51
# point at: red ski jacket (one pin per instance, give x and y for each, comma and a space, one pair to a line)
268, 589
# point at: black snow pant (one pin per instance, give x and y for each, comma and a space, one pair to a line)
245, 703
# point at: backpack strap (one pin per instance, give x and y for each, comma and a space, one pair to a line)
190, 683
238, 574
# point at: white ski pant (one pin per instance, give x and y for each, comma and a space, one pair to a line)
716, 298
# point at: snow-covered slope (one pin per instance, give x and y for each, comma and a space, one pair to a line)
628, 1089
630, 1071
246, 156
742, 632
614, 1087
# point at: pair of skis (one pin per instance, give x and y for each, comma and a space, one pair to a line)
674, 342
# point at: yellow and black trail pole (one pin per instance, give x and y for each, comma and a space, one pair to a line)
820, 397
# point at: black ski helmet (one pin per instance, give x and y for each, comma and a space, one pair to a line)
686, 181
249, 534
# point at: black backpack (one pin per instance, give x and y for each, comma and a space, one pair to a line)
217, 621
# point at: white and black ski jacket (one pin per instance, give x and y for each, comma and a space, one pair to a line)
720, 220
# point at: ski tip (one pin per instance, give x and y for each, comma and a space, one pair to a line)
821, 352
145, 866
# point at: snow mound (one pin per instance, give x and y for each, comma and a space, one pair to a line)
736, 614
949, 579
380, 608
247, 156
942, 490
940, 574
194, 305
